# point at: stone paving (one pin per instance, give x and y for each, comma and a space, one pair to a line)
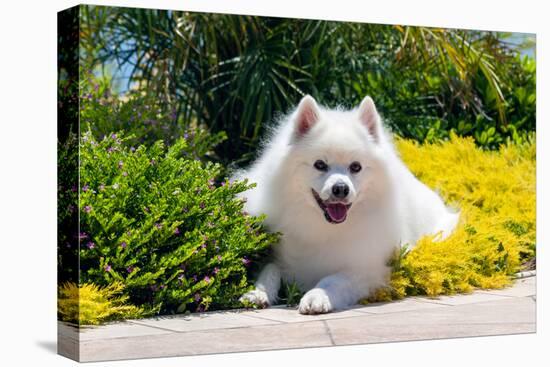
482, 313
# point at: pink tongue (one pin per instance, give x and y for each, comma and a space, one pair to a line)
337, 212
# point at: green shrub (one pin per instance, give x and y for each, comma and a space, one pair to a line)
143, 117
153, 219
67, 209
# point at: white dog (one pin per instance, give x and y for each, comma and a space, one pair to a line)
332, 184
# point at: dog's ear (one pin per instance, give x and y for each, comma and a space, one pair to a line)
306, 115
370, 118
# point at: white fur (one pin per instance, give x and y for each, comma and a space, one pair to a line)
338, 263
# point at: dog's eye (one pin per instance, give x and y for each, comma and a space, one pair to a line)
320, 165
355, 167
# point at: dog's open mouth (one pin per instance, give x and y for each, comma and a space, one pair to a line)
335, 212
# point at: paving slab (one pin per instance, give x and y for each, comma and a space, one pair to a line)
407, 304
509, 316
68, 330
345, 332
280, 336
291, 314
521, 288
118, 330
482, 313
205, 321
461, 299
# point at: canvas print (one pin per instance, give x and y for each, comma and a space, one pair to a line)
232, 183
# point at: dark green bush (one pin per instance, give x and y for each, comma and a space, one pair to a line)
153, 219
67, 209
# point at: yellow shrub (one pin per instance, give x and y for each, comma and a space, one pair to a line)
92, 305
495, 192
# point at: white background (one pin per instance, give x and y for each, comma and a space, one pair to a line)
28, 181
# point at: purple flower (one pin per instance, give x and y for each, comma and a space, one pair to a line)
216, 270
185, 210
101, 187
123, 244
113, 136
195, 277
87, 208
107, 267
203, 246
110, 150
158, 225
91, 245
219, 257
82, 235
246, 261
130, 269
176, 231
207, 279
197, 297
201, 205
181, 277
182, 267
129, 233
186, 136
132, 149
120, 164
152, 161
85, 188
124, 173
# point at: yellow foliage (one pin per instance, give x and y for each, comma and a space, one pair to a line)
495, 192
92, 305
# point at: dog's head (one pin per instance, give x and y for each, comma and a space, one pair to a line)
336, 155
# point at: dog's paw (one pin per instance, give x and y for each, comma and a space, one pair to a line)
256, 297
314, 302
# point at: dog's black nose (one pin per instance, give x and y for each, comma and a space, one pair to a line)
340, 190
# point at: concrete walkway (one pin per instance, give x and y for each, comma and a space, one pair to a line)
482, 313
